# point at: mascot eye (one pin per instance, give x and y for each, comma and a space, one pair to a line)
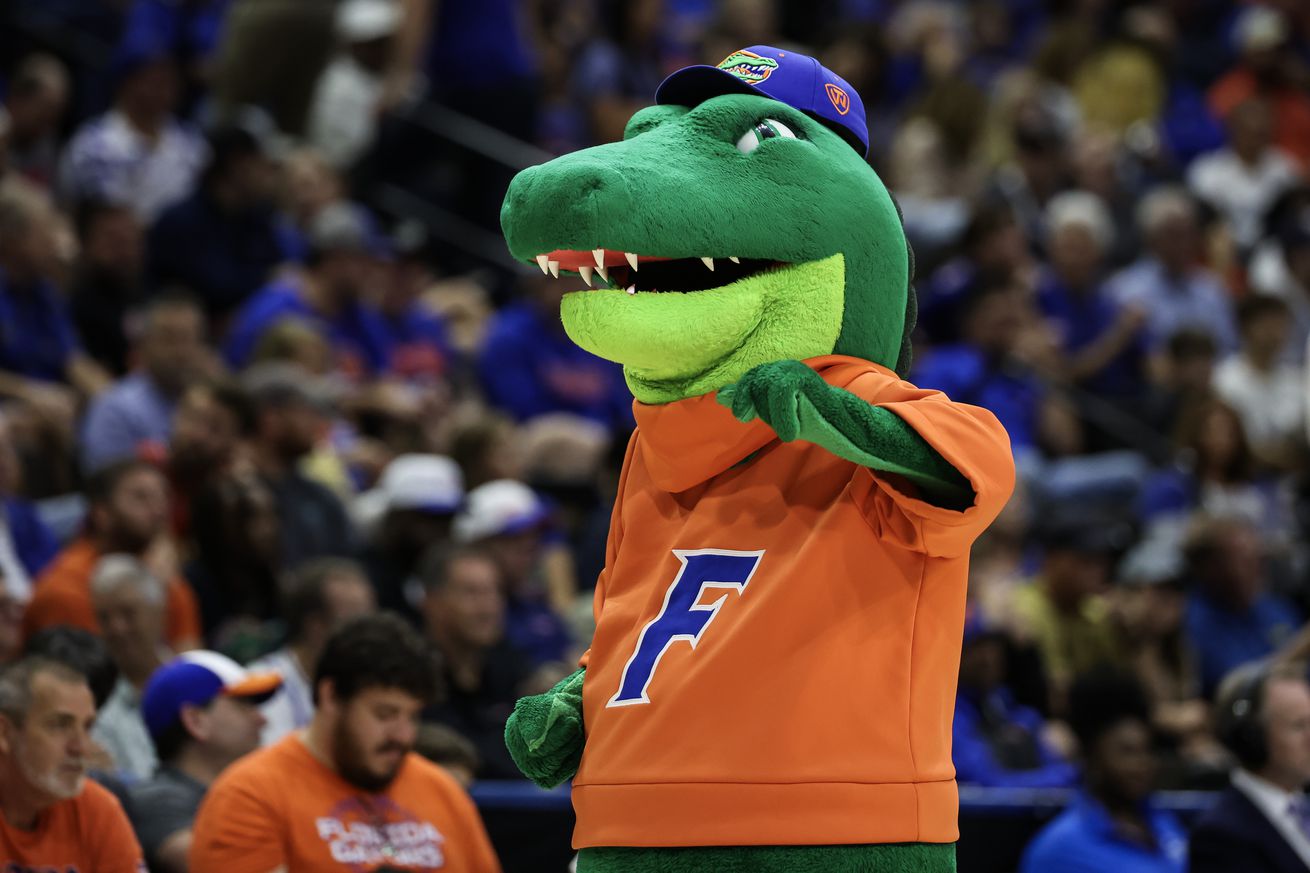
766, 129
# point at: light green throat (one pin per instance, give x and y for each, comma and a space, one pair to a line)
676, 345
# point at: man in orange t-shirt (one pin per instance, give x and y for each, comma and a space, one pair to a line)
348, 792
128, 514
51, 816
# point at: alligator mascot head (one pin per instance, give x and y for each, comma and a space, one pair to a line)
736, 250
736, 223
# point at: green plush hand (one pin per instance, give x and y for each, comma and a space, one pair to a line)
795, 401
779, 393
545, 733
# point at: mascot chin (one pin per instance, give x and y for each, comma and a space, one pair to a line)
778, 624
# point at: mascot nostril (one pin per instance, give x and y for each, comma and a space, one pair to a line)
778, 624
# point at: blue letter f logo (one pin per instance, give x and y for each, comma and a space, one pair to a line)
683, 617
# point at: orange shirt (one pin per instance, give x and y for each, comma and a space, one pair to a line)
88, 834
280, 807
62, 595
778, 631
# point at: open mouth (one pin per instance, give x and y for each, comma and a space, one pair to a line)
607, 268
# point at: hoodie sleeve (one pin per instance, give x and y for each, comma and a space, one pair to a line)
968, 437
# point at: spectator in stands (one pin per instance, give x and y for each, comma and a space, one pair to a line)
223, 241
1167, 282
1258, 825
420, 348
129, 604
1064, 608
238, 555
445, 746
137, 153
36, 101
320, 596
209, 425
1280, 267
1039, 170
1231, 616
134, 418
26, 544
1243, 180
343, 116
1182, 382
1261, 387
417, 497
464, 617
351, 777
202, 711
511, 523
127, 514
108, 281
51, 816
330, 295
992, 251
81, 650
529, 366
487, 446
996, 741
39, 349
986, 368
1267, 68
1102, 341
288, 421
1112, 825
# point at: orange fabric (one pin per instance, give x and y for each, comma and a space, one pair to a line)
62, 595
88, 834
280, 807
816, 706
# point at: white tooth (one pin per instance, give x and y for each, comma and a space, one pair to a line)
735, 260
708, 262
632, 289
586, 274
543, 262
632, 260
554, 269
599, 255
604, 274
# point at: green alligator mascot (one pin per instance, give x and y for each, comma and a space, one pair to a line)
778, 624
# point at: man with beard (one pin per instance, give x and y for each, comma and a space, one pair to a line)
128, 513
51, 816
134, 418
348, 792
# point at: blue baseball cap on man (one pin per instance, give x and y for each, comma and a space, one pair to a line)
196, 678
789, 77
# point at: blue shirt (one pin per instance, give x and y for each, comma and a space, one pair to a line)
356, 333
222, 258
37, 338
533, 628
1196, 300
975, 741
418, 342
1084, 839
1082, 319
529, 367
1224, 639
120, 420
1010, 392
35, 544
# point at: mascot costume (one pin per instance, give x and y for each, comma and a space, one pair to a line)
778, 624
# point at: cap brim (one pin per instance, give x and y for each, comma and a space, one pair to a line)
257, 687
692, 86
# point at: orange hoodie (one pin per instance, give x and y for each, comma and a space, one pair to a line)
778, 631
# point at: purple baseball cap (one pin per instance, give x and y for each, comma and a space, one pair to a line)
798, 80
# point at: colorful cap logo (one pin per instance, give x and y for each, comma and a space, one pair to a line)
798, 80
840, 100
748, 66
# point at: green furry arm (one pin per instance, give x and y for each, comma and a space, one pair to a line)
545, 734
796, 402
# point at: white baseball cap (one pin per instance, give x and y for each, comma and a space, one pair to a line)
430, 483
504, 506
364, 20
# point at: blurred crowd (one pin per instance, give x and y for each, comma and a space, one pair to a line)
245, 397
